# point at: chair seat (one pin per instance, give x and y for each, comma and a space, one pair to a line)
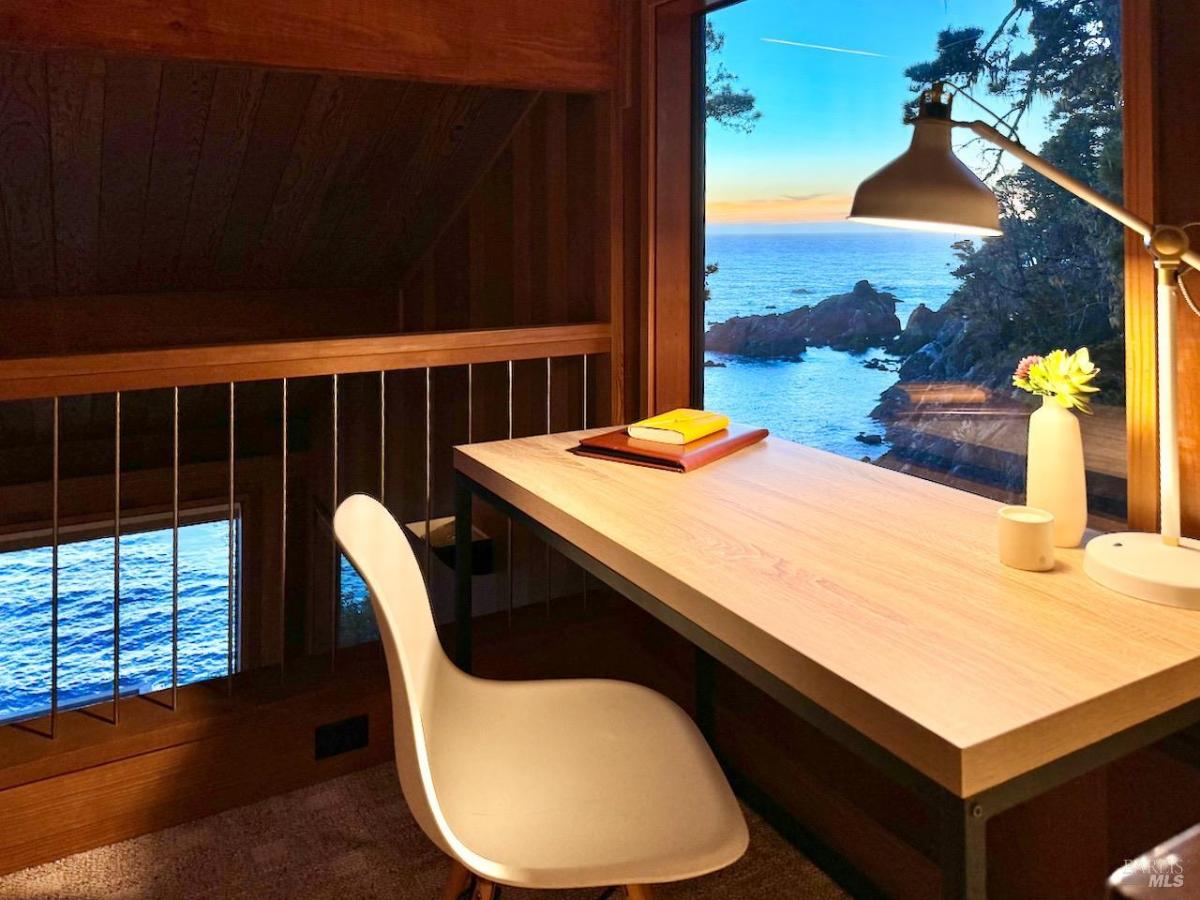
580, 783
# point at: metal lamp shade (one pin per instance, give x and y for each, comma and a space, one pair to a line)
928, 188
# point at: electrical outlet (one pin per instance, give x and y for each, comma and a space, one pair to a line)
341, 737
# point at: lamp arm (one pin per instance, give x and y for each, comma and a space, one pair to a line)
1071, 184
1169, 246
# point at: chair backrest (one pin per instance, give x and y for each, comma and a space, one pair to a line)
378, 549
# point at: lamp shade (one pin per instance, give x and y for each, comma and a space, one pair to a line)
928, 188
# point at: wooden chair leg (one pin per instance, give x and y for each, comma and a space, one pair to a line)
639, 892
484, 890
456, 881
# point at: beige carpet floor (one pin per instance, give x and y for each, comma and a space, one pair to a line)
351, 838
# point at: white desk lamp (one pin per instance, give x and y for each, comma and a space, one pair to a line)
928, 188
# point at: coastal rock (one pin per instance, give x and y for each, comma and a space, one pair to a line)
855, 321
881, 365
773, 336
862, 318
713, 364
923, 326
871, 440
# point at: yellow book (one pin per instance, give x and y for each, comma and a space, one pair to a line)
679, 426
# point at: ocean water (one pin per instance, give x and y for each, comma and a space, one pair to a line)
85, 617
825, 398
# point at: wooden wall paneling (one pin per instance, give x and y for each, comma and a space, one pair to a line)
54, 326
554, 289
523, 207
518, 43
670, 114
131, 92
320, 142
439, 137
1139, 44
229, 758
492, 246
369, 127
185, 98
6, 269
25, 187
457, 160
629, 219
280, 111
76, 86
383, 197
230, 119
1177, 198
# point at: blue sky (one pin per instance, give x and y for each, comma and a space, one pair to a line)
828, 118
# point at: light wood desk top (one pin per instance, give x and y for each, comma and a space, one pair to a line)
877, 595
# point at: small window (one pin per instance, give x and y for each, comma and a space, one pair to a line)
85, 612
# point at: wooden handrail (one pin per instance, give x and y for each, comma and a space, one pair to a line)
33, 377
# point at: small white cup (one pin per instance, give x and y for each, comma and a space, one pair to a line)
1026, 538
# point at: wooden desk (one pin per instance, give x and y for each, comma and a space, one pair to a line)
872, 604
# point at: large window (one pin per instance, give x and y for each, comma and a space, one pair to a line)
893, 346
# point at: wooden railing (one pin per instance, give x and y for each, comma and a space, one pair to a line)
61, 376
48, 379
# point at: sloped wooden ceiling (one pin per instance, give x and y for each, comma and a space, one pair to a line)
122, 175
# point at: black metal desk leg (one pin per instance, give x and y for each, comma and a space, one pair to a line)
706, 673
963, 847
463, 566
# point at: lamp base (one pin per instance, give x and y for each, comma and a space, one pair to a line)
1141, 565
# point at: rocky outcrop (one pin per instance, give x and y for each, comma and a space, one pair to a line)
773, 336
855, 321
923, 326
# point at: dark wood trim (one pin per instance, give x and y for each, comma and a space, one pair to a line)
100, 373
668, 109
698, 176
1139, 43
514, 43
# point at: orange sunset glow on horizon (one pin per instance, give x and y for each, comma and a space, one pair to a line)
785, 208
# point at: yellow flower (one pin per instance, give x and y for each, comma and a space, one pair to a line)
1064, 376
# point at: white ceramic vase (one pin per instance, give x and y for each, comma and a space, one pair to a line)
1055, 478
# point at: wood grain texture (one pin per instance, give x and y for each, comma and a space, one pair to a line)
1175, 45
143, 369
1139, 122
131, 175
671, 155
319, 144
185, 98
130, 111
232, 109
970, 671
76, 86
281, 109
509, 43
25, 175
71, 324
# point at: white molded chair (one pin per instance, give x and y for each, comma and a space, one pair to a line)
538, 784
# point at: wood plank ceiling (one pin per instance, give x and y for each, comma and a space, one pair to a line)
133, 175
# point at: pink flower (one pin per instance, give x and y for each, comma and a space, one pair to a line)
1024, 366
